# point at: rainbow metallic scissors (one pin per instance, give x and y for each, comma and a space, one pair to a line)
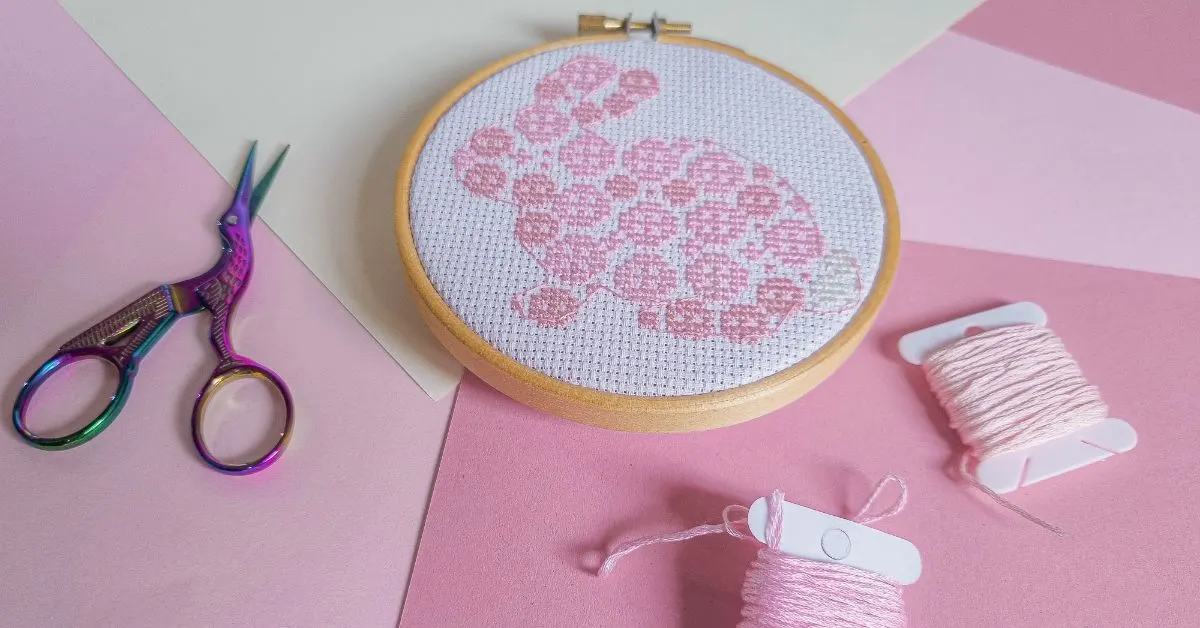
124, 338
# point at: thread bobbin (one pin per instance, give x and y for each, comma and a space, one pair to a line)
1006, 472
800, 576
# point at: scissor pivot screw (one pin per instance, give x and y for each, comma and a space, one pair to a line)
231, 219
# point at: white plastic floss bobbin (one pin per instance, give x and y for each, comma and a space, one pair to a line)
815, 535
1003, 473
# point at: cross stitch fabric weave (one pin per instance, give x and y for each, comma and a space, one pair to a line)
646, 218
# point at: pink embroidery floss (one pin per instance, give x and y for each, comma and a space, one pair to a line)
786, 591
1008, 389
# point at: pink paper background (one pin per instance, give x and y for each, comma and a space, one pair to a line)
101, 199
524, 501
995, 151
1144, 46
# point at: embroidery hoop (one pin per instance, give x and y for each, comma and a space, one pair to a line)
638, 413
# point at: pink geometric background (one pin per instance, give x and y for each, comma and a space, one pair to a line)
1054, 130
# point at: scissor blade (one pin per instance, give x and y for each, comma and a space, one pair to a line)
245, 184
264, 185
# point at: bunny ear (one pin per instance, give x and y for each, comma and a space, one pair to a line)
584, 79
551, 90
638, 84
588, 113
587, 74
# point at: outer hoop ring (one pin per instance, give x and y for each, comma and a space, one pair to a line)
628, 412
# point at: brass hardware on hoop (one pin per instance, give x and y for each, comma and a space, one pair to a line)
599, 24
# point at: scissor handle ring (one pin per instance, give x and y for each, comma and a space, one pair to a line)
222, 376
96, 425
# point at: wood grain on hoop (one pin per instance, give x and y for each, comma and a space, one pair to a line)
629, 412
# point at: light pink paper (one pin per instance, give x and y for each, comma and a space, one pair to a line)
995, 151
1146, 46
100, 199
524, 502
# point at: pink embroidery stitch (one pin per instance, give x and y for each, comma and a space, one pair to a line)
576, 258
536, 229
587, 74
583, 205
485, 180
648, 224
648, 318
619, 105
542, 124
621, 187
652, 160
534, 190
588, 113
689, 319
716, 173
638, 85
759, 201
745, 323
753, 252
679, 193
588, 155
645, 278
795, 242
551, 89
671, 226
717, 224
779, 296
716, 277
491, 142
551, 307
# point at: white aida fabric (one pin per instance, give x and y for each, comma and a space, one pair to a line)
647, 218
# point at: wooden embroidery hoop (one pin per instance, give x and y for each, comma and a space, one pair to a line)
629, 412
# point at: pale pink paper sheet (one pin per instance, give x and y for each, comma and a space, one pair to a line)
100, 199
524, 502
992, 150
1145, 46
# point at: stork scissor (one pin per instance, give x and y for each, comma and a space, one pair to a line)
124, 338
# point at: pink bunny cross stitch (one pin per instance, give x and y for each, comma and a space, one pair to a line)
705, 242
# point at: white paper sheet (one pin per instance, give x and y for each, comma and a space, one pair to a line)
347, 82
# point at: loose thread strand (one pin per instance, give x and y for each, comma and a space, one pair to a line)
999, 499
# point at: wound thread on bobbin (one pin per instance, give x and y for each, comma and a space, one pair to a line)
1009, 389
782, 590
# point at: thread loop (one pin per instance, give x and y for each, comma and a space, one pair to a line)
782, 590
